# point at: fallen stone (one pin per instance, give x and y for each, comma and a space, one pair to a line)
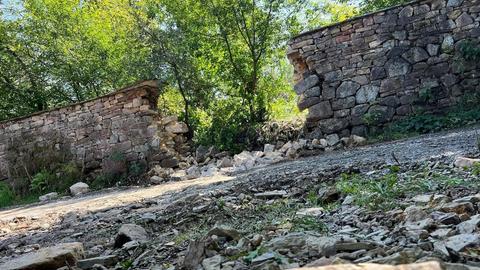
79, 188
458, 207
156, 180
195, 254
310, 212
212, 263
432, 199
268, 148
109, 260
226, 232
463, 162
370, 266
271, 194
354, 246
470, 225
47, 258
48, 197
461, 241
130, 232
302, 244
225, 162
193, 172
264, 257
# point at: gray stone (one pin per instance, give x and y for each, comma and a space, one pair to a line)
264, 257
367, 94
470, 225
406, 12
79, 188
169, 163
226, 162
454, 3
461, 241
397, 67
380, 114
449, 80
48, 197
212, 263
307, 102
359, 131
224, 231
306, 84
319, 111
109, 260
343, 103
310, 212
458, 207
448, 44
332, 76
130, 232
464, 162
391, 101
415, 54
202, 152
378, 73
304, 244
347, 88
271, 194
464, 20
333, 125
313, 92
47, 258
432, 49
332, 139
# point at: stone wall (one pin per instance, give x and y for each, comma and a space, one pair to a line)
374, 69
125, 121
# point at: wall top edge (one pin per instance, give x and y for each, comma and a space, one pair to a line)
356, 18
151, 85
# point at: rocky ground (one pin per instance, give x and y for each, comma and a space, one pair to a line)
391, 203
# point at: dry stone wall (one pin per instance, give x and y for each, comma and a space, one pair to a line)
374, 69
125, 122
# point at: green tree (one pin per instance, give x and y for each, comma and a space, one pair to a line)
57, 52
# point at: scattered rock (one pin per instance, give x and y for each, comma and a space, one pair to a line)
310, 212
47, 258
461, 241
212, 263
463, 162
271, 194
130, 232
226, 232
79, 188
371, 266
109, 260
48, 197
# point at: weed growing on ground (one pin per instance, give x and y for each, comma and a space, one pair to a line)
308, 223
382, 193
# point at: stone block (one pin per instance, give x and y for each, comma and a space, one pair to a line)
319, 111
347, 88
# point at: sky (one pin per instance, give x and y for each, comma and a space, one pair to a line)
7, 5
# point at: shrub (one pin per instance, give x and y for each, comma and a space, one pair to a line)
59, 179
42, 182
7, 196
228, 127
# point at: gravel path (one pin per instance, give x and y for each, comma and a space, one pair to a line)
448, 144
